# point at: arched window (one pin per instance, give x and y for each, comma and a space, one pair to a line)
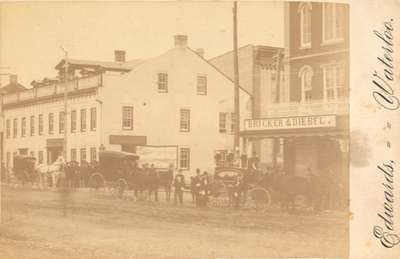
306, 75
305, 24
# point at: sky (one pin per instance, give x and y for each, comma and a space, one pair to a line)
32, 35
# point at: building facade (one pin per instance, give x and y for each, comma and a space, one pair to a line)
312, 124
177, 99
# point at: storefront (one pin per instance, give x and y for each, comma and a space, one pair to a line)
299, 144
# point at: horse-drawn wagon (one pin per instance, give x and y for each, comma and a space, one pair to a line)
24, 169
240, 187
114, 172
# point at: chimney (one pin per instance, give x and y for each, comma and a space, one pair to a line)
180, 40
119, 55
200, 52
13, 79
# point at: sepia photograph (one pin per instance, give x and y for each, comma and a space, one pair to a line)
174, 130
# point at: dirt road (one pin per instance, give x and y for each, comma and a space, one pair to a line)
45, 224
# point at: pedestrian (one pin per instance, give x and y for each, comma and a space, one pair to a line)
197, 184
206, 188
153, 182
179, 185
193, 189
238, 190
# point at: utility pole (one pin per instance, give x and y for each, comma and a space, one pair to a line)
65, 103
236, 115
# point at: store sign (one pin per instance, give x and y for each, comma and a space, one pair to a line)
298, 122
160, 156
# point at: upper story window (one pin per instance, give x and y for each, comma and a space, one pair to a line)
93, 119
333, 22
15, 128
184, 123
8, 128
202, 85
162, 83
40, 125
306, 74
222, 122
334, 82
32, 125
61, 122
127, 117
23, 127
73, 121
51, 123
83, 120
305, 24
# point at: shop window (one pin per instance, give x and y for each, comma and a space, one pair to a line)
93, 154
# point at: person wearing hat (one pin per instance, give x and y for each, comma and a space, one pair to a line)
179, 185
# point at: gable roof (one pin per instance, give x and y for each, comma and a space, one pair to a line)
218, 70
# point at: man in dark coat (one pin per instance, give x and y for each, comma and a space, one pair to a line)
153, 182
179, 185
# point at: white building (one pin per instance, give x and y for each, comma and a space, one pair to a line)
177, 99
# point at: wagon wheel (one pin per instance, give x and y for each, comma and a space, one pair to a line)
120, 186
96, 182
258, 199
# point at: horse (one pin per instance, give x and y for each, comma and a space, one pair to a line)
55, 171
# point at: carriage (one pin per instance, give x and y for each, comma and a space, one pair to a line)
255, 192
114, 172
24, 168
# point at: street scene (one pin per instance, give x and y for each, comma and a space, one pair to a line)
184, 148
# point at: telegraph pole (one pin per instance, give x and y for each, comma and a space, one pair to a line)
276, 141
65, 103
236, 81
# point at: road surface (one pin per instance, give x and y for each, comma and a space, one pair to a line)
80, 224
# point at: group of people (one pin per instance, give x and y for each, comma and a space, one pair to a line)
77, 174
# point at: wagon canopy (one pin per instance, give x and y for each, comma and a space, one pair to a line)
114, 164
117, 154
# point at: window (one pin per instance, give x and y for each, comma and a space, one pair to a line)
32, 125
333, 22
73, 121
202, 85
15, 128
127, 118
305, 24
83, 120
73, 154
8, 128
233, 122
93, 119
185, 120
83, 154
23, 127
51, 123
40, 125
61, 122
184, 159
334, 82
8, 160
40, 157
222, 122
162, 82
32, 153
305, 75
93, 154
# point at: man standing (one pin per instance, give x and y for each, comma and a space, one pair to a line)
196, 187
153, 182
179, 184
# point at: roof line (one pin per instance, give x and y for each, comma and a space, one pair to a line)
229, 51
218, 70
